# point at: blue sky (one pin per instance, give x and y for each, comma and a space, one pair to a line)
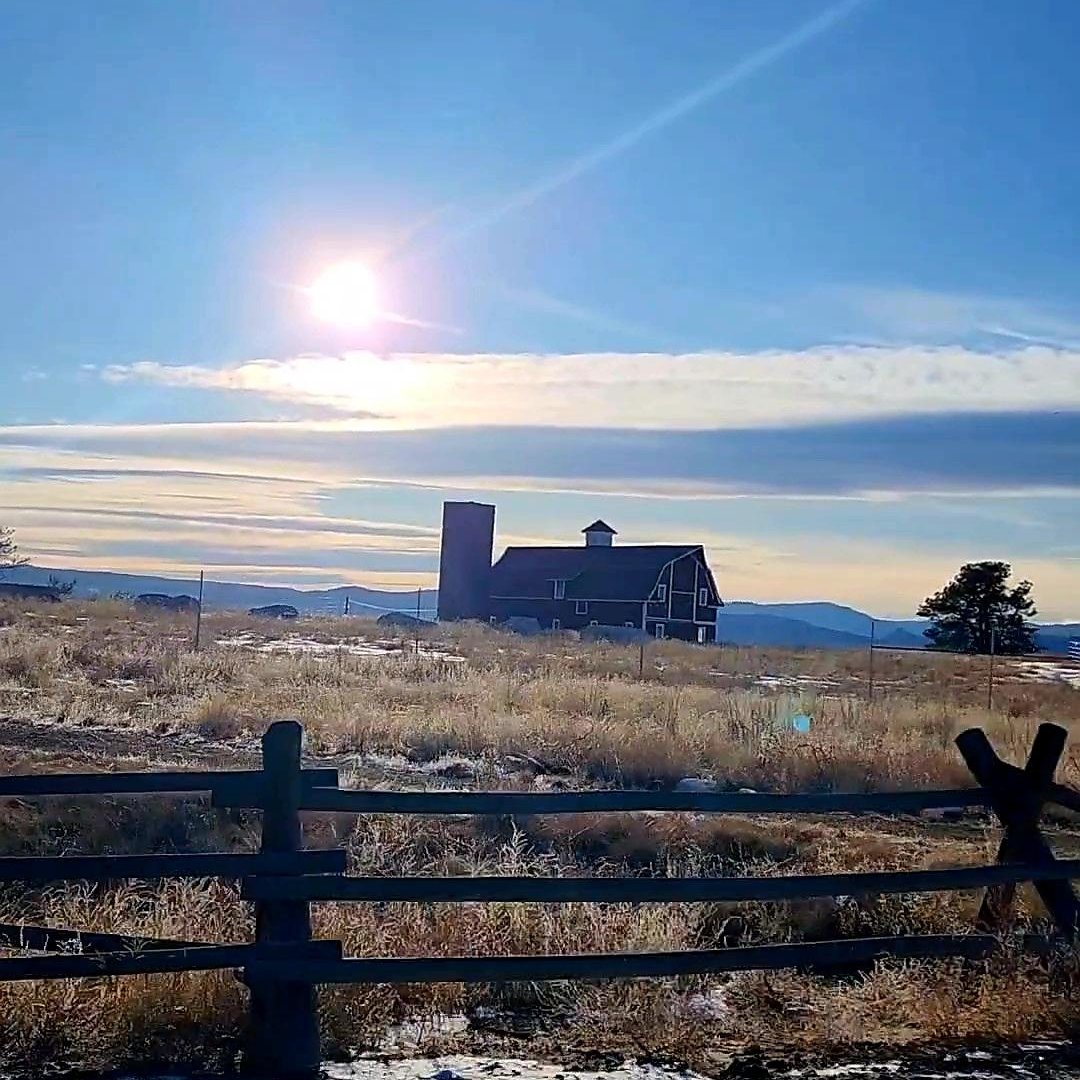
794, 279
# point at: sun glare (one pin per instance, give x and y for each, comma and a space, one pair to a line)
345, 294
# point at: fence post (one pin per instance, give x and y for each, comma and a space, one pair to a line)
283, 1030
1018, 796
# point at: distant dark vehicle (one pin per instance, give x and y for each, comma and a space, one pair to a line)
275, 611
169, 603
16, 591
400, 618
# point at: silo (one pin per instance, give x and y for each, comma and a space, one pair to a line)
468, 537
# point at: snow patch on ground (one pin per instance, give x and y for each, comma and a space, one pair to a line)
460, 1067
294, 645
1046, 671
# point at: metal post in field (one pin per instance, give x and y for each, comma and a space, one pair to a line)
870, 676
641, 660
990, 678
418, 620
283, 1032
198, 609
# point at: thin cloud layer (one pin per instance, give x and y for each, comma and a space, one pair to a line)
949, 452
659, 391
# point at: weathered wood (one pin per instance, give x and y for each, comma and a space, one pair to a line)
470, 969
601, 890
588, 802
1063, 796
1017, 797
34, 869
151, 961
62, 939
236, 788
1046, 750
283, 1034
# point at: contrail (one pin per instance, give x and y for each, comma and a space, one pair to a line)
405, 320
752, 64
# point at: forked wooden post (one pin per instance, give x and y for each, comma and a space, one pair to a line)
1018, 797
283, 1031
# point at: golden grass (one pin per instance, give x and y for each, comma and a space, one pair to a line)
516, 712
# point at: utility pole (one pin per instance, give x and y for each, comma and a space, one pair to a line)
418, 620
198, 609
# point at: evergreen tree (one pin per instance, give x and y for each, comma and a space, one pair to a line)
978, 612
9, 551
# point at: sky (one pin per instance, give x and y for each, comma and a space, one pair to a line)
791, 279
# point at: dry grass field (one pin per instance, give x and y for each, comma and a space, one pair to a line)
99, 686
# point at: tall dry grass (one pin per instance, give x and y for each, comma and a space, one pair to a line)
513, 712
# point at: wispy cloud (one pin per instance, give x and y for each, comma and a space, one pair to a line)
660, 391
538, 300
910, 314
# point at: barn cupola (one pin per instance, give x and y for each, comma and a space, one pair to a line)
599, 534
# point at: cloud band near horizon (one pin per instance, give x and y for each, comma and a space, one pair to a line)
662, 391
861, 473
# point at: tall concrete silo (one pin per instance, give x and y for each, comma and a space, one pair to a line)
468, 537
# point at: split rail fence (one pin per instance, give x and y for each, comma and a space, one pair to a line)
283, 965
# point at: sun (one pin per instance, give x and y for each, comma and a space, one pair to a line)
345, 294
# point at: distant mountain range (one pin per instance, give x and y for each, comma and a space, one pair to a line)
817, 625
834, 626
227, 595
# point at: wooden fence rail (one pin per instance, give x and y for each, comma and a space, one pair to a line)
283, 965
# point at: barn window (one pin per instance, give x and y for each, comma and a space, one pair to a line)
581, 607
702, 597
560, 589
660, 630
702, 632
661, 591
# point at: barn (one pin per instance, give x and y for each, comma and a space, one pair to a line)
664, 590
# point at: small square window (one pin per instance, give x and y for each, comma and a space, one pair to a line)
559, 592
593, 622
661, 592
660, 630
581, 607
555, 624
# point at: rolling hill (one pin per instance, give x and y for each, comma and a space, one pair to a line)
226, 595
812, 625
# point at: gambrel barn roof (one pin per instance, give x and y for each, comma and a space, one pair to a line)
590, 573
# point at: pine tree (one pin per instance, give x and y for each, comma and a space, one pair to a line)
978, 612
9, 551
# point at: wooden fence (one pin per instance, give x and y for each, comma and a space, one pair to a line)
283, 964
